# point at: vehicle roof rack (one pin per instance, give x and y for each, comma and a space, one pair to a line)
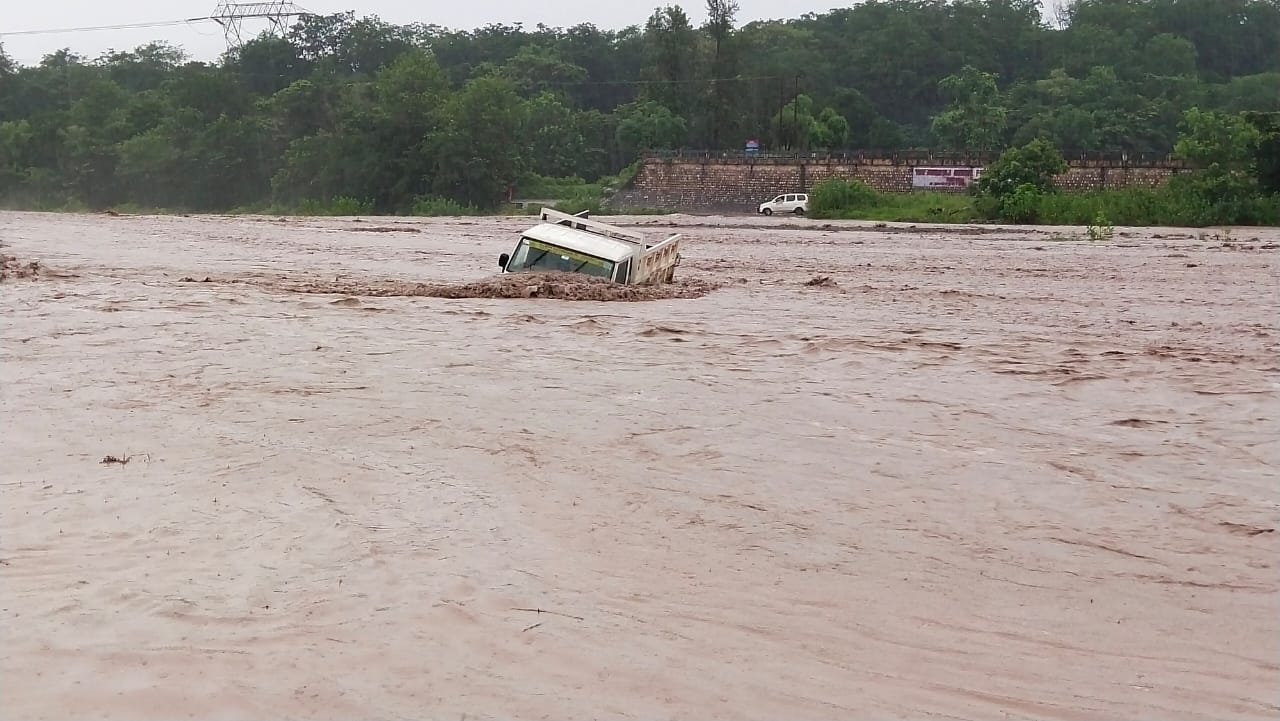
582, 222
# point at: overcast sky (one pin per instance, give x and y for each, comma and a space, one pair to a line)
204, 40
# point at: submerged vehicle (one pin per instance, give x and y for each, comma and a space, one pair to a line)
564, 243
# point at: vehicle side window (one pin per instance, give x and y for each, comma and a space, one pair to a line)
624, 270
777, 199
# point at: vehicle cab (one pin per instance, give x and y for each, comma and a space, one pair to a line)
564, 243
797, 203
553, 248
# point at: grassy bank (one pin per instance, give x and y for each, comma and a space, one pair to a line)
569, 194
923, 207
1159, 207
837, 199
1133, 207
338, 207
1174, 206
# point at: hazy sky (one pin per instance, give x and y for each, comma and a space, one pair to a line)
204, 40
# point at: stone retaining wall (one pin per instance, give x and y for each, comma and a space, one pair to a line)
740, 184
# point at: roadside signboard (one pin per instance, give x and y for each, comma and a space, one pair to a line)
944, 178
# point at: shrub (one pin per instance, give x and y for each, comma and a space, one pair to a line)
836, 198
1013, 188
1100, 228
623, 178
341, 205
591, 203
1221, 197
1186, 202
541, 186
1022, 205
1036, 164
432, 206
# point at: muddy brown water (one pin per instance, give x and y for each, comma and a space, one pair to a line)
875, 473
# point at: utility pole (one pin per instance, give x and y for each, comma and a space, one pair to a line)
795, 115
782, 108
231, 17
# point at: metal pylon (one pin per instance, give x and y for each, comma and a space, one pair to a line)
231, 17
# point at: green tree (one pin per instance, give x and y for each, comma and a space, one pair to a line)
354, 107
672, 59
793, 125
1169, 55
479, 151
1267, 153
1224, 149
859, 114
15, 158
649, 125
554, 141
829, 130
1011, 188
536, 69
1037, 164
799, 127
976, 119
721, 15
392, 125
144, 68
1217, 141
7, 66
266, 65
1248, 93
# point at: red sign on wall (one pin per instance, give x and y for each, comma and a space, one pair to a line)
944, 177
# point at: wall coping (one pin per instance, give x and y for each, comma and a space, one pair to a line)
905, 157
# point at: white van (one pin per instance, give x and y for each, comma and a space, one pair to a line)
797, 203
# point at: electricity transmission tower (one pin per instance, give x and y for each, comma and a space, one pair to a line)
231, 17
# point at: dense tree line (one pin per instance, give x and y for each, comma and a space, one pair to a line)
1233, 178
393, 116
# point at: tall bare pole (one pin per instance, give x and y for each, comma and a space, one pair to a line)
795, 116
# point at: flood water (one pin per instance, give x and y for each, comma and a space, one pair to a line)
972, 475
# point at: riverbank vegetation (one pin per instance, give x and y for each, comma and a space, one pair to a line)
1232, 180
347, 113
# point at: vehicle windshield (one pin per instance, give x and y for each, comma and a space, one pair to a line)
537, 256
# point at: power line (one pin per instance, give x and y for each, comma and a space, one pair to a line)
684, 81
229, 15
92, 28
